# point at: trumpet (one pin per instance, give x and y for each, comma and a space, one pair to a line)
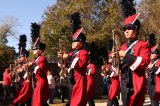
13, 71
116, 59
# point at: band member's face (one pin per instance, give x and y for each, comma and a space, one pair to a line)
130, 33
110, 60
37, 52
23, 59
154, 56
76, 45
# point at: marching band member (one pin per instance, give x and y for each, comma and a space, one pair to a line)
104, 74
91, 69
153, 80
114, 87
41, 91
24, 93
78, 68
135, 56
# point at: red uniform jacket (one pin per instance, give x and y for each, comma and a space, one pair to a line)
19, 80
137, 61
115, 84
24, 93
6, 78
41, 91
78, 97
90, 81
157, 79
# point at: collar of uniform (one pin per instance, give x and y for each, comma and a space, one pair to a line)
153, 60
129, 42
75, 51
36, 58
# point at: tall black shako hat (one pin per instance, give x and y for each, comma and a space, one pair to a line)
24, 53
152, 40
78, 36
153, 43
132, 22
39, 45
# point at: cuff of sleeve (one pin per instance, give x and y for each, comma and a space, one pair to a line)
89, 72
136, 63
35, 69
156, 70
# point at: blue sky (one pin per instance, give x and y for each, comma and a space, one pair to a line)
27, 12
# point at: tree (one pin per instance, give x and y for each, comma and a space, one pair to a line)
150, 18
7, 55
7, 28
99, 18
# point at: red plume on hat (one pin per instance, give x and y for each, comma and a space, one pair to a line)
155, 50
76, 34
131, 19
132, 22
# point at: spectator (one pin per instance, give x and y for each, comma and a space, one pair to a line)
6, 85
52, 86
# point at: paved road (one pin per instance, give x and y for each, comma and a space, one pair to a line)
146, 103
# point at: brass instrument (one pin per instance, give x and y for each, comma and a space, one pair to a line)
115, 49
62, 72
13, 71
28, 67
61, 61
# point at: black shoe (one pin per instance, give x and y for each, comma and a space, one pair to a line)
67, 104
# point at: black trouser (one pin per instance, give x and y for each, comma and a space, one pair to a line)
126, 92
113, 102
151, 93
45, 104
27, 103
63, 90
6, 92
91, 102
70, 87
